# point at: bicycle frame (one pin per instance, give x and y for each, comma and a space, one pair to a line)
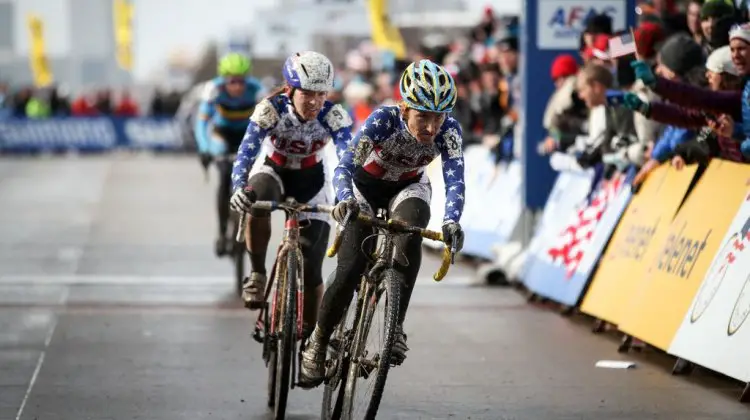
289, 241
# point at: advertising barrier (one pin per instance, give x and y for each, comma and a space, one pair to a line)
662, 295
712, 332
90, 134
563, 270
569, 191
646, 221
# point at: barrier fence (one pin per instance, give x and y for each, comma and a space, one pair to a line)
668, 264
91, 134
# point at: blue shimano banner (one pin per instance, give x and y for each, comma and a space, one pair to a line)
90, 134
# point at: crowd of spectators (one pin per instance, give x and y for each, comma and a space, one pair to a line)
674, 102
54, 101
609, 113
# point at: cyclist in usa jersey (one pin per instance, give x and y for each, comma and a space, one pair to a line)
384, 167
299, 122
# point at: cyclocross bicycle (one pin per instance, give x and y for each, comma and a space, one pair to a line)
280, 323
350, 364
237, 249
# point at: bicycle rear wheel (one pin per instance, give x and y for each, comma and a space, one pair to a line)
286, 334
362, 364
239, 267
341, 339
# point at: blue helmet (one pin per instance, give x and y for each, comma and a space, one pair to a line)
427, 86
309, 70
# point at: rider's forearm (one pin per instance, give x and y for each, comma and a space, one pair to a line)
246, 154
342, 176
453, 176
201, 133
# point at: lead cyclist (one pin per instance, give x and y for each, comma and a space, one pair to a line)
299, 122
384, 167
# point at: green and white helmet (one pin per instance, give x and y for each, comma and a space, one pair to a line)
234, 64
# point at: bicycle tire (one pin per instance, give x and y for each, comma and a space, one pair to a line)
391, 290
331, 409
239, 268
286, 336
271, 397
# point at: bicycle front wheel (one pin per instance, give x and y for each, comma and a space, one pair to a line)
286, 335
368, 370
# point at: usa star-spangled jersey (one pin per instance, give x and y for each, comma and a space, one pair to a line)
295, 144
385, 150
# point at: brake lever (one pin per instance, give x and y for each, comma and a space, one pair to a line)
453, 249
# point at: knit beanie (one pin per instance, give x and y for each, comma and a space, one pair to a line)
681, 54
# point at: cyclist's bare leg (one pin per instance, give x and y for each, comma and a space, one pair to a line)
222, 206
351, 264
415, 212
257, 236
313, 241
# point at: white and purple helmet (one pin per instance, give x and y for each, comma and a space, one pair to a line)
309, 70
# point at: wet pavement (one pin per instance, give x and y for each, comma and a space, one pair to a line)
112, 306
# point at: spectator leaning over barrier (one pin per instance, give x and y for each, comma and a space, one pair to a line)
721, 75
726, 106
680, 58
647, 130
608, 128
566, 113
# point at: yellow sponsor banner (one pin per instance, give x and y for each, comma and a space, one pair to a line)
122, 16
655, 310
645, 223
38, 61
384, 34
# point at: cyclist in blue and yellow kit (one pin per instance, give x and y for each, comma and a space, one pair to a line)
226, 105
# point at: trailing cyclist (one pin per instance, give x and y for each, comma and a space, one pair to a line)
299, 122
226, 104
384, 168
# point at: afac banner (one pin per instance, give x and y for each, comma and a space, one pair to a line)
714, 333
663, 295
644, 223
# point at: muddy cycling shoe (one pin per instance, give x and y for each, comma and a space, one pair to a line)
312, 369
398, 352
254, 290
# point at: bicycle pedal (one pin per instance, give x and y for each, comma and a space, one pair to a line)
257, 336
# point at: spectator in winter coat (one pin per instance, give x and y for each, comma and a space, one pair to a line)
610, 129
565, 114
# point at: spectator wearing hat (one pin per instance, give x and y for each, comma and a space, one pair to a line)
565, 113
727, 106
600, 24
597, 52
